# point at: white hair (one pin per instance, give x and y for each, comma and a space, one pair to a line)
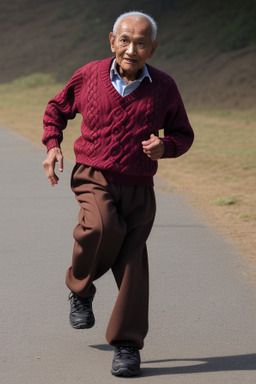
140, 14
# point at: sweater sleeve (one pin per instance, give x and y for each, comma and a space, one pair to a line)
60, 109
178, 133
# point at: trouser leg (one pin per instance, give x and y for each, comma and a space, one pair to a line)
128, 324
114, 224
99, 234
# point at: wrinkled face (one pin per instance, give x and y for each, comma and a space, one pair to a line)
132, 45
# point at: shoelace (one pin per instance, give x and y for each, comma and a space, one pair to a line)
127, 352
80, 303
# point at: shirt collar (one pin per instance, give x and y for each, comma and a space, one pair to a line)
114, 72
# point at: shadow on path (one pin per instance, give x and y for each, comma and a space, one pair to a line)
201, 365
188, 366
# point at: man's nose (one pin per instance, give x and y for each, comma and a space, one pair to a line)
131, 50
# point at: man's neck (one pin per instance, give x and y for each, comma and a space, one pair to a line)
126, 77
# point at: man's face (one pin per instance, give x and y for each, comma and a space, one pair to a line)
132, 45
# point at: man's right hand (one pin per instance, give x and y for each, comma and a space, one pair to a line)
53, 155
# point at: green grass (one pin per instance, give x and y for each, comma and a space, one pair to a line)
32, 81
218, 172
221, 165
201, 27
224, 140
224, 201
223, 152
23, 105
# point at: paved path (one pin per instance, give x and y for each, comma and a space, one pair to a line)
202, 308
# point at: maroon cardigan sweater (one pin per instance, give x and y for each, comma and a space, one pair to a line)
113, 126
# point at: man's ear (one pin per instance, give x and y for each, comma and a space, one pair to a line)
153, 48
112, 41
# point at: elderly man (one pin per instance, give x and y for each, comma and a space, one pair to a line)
124, 103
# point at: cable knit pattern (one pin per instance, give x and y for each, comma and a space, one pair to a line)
113, 126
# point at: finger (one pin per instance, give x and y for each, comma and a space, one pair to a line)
155, 151
49, 165
153, 139
145, 143
60, 162
52, 177
151, 148
53, 180
49, 172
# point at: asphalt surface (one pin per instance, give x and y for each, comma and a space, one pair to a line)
202, 299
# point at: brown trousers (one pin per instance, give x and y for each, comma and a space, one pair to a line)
114, 223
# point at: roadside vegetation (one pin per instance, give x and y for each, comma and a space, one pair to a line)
210, 50
217, 174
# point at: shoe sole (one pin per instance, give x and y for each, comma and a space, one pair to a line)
82, 325
125, 372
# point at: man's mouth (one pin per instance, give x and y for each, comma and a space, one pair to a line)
131, 61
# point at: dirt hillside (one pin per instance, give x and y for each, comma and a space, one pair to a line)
209, 48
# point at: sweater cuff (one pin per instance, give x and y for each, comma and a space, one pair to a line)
51, 143
163, 155
169, 149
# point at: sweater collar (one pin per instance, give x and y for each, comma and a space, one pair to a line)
143, 89
143, 72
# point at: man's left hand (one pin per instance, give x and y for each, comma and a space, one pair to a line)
154, 147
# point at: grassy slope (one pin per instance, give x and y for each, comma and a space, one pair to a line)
208, 48
197, 42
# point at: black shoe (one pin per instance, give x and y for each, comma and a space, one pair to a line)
126, 362
81, 314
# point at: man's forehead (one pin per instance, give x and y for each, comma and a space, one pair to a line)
138, 25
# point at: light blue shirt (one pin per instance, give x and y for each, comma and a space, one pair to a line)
120, 85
